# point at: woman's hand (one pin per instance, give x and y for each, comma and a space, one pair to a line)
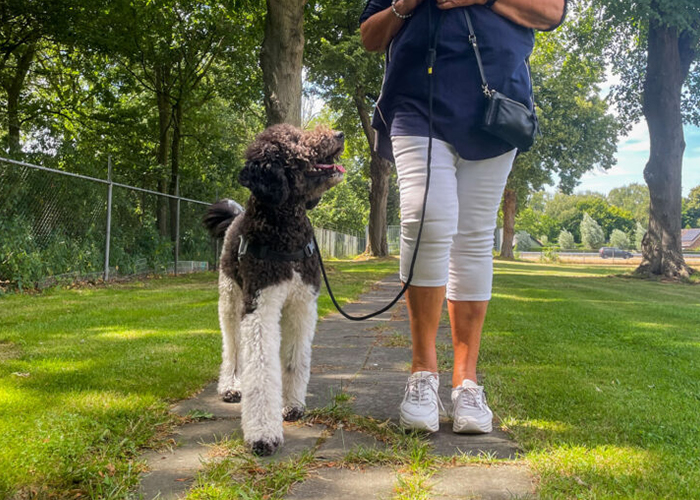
538, 14
451, 4
405, 7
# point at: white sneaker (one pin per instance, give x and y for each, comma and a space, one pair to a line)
419, 409
471, 414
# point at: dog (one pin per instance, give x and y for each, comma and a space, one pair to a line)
269, 277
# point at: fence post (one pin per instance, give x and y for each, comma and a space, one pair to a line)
177, 224
109, 216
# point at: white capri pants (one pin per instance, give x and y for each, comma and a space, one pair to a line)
460, 217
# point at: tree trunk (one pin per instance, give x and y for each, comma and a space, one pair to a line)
380, 173
13, 87
281, 61
510, 205
175, 167
164, 119
668, 63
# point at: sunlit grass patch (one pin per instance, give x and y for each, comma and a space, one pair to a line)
598, 381
606, 470
87, 375
235, 473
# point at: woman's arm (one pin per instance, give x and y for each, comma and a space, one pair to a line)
378, 30
537, 14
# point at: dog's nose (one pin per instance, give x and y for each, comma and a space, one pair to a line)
340, 136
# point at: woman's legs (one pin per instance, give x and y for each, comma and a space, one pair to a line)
480, 186
467, 320
419, 409
459, 223
424, 311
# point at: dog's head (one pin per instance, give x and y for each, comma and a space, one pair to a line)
286, 165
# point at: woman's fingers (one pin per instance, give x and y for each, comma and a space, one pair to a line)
451, 4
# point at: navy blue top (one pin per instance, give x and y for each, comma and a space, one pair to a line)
458, 100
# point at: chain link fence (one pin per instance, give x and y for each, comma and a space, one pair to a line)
56, 225
59, 226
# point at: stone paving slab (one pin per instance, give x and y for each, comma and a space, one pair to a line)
342, 442
346, 484
298, 438
502, 482
172, 471
208, 400
350, 358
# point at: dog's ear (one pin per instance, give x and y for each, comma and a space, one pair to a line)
266, 181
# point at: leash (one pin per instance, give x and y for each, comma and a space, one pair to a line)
432, 55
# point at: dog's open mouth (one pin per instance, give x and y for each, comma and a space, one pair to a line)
328, 169
328, 166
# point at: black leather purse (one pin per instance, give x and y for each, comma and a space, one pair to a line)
505, 118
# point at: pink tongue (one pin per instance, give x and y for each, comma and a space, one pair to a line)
339, 168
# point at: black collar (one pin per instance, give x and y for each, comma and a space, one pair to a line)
263, 252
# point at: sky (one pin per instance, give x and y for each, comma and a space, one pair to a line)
632, 156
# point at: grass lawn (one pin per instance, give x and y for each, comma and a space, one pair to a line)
596, 376
87, 375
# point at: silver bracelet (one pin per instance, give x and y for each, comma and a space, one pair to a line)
397, 13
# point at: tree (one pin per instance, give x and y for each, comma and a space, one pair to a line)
537, 224
567, 211
619, 239
168, 48
656, 54
609, 217
566, 240
281, 59
591, 233
578, 133
691, 208
24, 27
633, 198
349, 78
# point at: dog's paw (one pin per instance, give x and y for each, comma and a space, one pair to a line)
264, 448
292, 413
231, 397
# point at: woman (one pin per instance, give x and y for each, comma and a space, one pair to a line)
469, 168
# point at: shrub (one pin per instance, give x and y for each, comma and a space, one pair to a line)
639, 233
592, 235
566, 240
619, 239
523, 241
549, 255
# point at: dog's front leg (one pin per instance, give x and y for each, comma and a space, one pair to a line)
298, 328
261, 376
230, 306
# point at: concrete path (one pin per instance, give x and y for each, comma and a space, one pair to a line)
369, 360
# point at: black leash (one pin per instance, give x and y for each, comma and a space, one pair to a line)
432, 54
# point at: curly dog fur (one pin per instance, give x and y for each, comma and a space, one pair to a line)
267, 308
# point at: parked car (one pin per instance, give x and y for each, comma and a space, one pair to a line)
608, 252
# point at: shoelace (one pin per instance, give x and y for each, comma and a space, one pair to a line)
417, 391
471, 395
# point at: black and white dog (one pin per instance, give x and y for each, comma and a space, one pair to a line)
270, 277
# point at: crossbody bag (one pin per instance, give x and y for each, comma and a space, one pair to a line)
505, 118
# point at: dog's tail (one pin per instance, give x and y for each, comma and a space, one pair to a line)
220, 215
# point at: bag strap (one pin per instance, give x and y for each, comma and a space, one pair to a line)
472, 39
488, 92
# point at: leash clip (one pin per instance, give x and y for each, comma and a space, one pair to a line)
309, 249
242, 247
